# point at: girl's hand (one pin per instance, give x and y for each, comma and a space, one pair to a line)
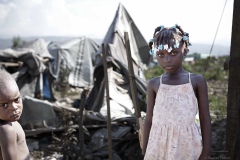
204, 156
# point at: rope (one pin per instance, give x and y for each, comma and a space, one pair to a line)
215, 37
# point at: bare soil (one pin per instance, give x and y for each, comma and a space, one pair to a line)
61, 145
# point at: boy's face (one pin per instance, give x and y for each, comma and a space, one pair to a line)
10, 103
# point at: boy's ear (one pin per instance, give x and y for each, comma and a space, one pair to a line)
186, 50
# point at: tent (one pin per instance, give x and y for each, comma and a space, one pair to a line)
121, 104
29, 66
120, 99
35, 69
44, 62
77, 57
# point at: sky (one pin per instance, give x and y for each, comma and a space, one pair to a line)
92, 18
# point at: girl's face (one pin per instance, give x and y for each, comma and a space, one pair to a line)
10, 104
171, 60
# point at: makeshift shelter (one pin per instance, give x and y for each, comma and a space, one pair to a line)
76, 57
29, 66
35, 69
121, 102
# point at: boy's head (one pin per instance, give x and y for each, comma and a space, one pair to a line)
10, 99
169, 39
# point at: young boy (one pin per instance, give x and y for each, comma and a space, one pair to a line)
12, 137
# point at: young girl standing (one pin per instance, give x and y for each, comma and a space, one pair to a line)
174, 99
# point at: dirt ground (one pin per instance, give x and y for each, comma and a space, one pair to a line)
47, 149
63, 144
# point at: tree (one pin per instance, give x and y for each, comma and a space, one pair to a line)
17, 41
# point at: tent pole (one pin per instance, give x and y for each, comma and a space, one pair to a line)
133, 85
41, 86
108, 104
80, 123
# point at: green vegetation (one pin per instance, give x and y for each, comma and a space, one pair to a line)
17, 41
212, 69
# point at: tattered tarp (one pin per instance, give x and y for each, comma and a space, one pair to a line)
77, 56
29, 75
40, 46
119, 89
36, 111
114, 41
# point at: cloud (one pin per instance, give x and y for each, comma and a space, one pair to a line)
35, 17
5, 10
93, 17
55, 17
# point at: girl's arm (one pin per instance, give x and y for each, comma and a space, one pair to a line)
204, 116
148, 120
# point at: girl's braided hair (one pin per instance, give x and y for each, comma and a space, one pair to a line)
170, 36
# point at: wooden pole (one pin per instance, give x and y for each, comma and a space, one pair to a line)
133, 85
11, 64
233, 99
108, 103
80, 124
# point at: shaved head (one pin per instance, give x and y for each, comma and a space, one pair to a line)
6, 81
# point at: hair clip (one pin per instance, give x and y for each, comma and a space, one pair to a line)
169, 49
185, 38
151, 52
176, 45
165, 46
162, 26
151, 40
160, 47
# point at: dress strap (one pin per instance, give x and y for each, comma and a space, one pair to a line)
161, 79
189, 77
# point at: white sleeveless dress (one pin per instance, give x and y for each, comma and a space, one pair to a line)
174, 134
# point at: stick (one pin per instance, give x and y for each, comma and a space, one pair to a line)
133, 86
11, 64
80, 123
108, 104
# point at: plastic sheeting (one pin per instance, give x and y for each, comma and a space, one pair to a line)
28, 76
121, 104
35, 111
77, 56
